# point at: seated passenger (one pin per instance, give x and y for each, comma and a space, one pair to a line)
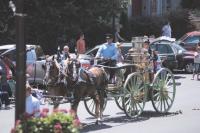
120, 57
32, 103
156, 61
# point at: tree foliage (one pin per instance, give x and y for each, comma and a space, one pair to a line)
191, 4
54, 22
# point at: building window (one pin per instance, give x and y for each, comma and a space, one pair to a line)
153, 7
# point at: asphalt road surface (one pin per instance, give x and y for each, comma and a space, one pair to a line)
184, 116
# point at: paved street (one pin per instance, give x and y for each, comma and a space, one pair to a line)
182, 118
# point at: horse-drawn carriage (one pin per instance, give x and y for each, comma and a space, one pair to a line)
134, 85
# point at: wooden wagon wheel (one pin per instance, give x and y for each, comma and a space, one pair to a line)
163, 90
119, 79
90, 105
135, 94
118, 101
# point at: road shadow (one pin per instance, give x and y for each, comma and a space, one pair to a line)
179, 77
151, 114
93, 127
121, 120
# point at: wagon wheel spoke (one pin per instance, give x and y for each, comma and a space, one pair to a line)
135, 95
118, 101
90, 105
163, 90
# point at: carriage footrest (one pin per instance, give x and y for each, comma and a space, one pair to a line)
113, 87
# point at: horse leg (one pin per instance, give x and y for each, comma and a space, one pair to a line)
102, 97
74, 106
97, 109
55, 103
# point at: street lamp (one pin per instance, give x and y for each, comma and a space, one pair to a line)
21, 57
113, 18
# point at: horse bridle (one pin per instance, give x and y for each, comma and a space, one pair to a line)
53, 79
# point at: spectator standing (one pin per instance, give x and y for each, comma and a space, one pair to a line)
196, 69
118, 38
80, 44
5, 74
120, 57
166, 30
32, 103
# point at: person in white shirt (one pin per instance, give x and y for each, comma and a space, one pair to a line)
167, 30
32, 103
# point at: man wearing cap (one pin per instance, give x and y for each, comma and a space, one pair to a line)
108, 52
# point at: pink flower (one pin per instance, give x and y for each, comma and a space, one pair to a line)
13, 130
17, 122
43, 114
58, 126
76, 122
63, 110
46, 110
55, 110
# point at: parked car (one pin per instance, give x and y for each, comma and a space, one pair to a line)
174, 56
35, 59
87, 59
189, 40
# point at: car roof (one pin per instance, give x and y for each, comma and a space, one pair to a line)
172, 44
193, 33
8, 47
163, 38
124, 44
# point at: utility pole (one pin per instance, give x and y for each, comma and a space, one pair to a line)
113, 18
21, 60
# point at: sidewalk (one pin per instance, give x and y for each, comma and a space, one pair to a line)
7, 119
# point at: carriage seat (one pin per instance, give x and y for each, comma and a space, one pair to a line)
82, 76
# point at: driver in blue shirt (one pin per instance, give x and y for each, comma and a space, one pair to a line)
108, 52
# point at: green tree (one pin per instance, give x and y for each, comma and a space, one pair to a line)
51, 23
191, 4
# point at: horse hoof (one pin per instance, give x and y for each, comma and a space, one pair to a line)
98, 122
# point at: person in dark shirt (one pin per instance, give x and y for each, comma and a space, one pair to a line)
4, 87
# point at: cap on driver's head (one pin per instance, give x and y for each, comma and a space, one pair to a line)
109, 36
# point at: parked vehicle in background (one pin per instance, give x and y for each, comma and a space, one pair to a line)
174, 56
89, 55
35, 59
189, 40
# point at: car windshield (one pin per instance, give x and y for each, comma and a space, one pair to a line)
182, 38
178, 47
